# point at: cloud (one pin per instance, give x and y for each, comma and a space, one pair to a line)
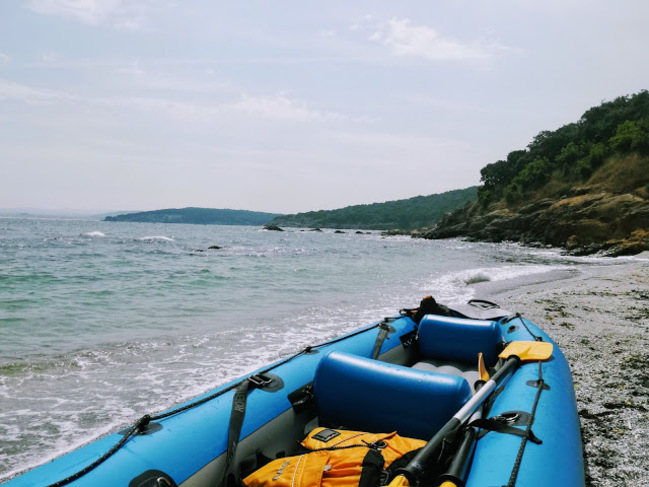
276, 107
404, 39
86, 11
399, 143
247, 108
281, 108
4, 59
121, 14
446, 104
31, 95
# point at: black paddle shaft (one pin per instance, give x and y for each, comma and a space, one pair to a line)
416, 468
459, 465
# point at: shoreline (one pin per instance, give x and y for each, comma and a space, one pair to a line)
600, 320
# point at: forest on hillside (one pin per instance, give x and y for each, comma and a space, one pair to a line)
556, 161
583, 187
408, 214
200, 216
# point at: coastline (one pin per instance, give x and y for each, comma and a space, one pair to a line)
600, 320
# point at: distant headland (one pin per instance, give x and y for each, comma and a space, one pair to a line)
407, 215
199, 216
403, 215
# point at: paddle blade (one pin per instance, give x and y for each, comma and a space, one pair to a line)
528, 350
399, 481
482, 370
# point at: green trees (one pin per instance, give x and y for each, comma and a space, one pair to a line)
572, 153
631, 136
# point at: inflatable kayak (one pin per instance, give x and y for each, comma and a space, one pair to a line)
472, 396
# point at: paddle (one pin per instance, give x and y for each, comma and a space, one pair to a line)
515, 354
459, 465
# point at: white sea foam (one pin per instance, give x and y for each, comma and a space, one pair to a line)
94, 234
459, 287
642, 256
155, 238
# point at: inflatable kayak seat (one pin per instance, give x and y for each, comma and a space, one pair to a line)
459, 339
368, 395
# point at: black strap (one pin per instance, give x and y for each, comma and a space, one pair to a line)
371, 469
234, 431
384, 331
391, 472
492, 424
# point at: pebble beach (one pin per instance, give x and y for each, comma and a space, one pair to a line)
600, 319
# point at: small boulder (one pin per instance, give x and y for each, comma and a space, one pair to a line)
272, 227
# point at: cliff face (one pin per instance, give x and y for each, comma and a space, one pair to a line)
615, 224
609, 214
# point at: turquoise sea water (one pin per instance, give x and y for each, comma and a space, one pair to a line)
102, 322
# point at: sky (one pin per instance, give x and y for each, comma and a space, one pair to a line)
292, 106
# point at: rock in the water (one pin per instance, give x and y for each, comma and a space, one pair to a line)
272, 227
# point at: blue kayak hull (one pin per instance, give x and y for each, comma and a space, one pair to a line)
189, 446
558, 460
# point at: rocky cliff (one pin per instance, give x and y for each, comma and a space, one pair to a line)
583, 186
609, 214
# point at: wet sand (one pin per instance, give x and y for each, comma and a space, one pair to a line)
600, 320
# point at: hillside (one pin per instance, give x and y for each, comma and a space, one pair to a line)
408, 214
201, 216
584, 186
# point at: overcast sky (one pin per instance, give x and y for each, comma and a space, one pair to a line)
289, 106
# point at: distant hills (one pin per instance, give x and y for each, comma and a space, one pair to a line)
584, 186
408, 214
71, 213
200, 216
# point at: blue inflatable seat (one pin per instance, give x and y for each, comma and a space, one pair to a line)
369, 395
459, 339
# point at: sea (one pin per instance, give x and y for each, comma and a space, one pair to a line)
103, 322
